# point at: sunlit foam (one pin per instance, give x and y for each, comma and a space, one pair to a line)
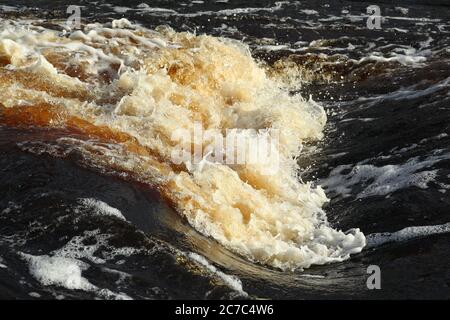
134, 87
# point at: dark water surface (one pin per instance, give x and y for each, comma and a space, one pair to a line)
384, 161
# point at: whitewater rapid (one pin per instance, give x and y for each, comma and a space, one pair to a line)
125, 89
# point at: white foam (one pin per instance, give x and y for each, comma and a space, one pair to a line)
309, 12
59, 271
122, 23
2, 265
400, 30
409, 233
77, 249
402, 10
384, 180
34, 294
102, 208
232, 281
120, 9
8, 8
273, 47
313, 276
409, 93
65, 272
405, 59
144, 8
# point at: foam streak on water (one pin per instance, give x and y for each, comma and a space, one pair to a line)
131, 88
409, 233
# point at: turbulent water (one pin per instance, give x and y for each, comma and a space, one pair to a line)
93, 205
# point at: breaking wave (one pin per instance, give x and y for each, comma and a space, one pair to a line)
122, 90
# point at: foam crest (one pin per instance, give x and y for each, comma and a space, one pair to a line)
132, 88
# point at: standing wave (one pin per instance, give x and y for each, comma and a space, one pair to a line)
126, 89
